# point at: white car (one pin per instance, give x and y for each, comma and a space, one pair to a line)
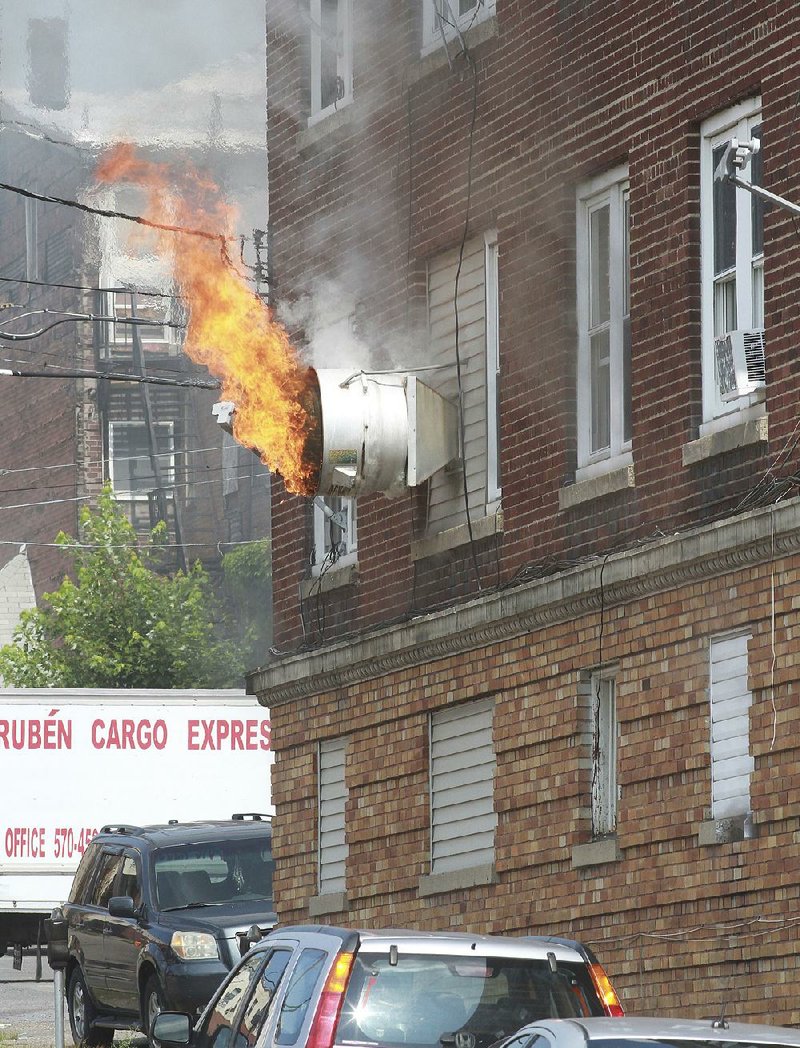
649, 1032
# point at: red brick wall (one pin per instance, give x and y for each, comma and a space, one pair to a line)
680, 927
565, 90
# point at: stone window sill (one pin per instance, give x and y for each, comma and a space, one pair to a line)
483, 528
596, 853
596, 487
457, 880
726, 831
334, 578
325, 127
739, 435
323, 905
437, 57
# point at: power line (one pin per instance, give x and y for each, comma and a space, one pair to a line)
108, 213
109, 376
85, 287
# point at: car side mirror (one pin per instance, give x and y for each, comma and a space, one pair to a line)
172, 1029
121, 906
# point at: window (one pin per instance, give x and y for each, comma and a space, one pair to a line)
445, 19
129, 882
257, 1008
732, 248
731, 762
219, 1022
331, 56
604, 330
473, 326
299, 994
103, 887
131, 466
334, 533
153, 312
332, 804
604, 754
462, 764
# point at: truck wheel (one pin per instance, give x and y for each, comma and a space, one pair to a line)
82, 1014
152, 1004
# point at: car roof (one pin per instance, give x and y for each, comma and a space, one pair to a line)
460, 943
595, 1030
162, 835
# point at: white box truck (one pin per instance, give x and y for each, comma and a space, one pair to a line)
73, 760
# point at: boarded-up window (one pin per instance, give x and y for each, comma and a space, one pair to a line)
332, 801
731, 762
446, 501
463, 819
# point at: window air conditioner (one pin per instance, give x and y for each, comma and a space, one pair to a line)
739, 363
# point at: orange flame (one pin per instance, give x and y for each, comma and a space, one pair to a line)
230, 329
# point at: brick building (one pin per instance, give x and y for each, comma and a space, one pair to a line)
569, 707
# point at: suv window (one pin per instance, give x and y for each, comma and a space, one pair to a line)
83, 874
422, 998
104, 882
129, 883
299, 994
220, 1021
220, 872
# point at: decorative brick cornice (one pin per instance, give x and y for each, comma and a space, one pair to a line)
663, 564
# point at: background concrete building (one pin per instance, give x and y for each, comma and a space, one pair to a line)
184, 84
552, 689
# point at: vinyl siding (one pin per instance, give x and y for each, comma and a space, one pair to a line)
731, 762
332, 801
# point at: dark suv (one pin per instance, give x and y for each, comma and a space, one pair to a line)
155, 919
320, 987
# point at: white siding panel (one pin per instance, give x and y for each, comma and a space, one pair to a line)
463, 818
332, 803
446, 496
731, 762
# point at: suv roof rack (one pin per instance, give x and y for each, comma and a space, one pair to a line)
254, 815
120, 828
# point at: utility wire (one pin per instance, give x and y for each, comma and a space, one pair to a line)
108, 213
109, 376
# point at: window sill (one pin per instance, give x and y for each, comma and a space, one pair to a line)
334, 578
596, 487
434, 56
596, 853
738, 435
323, 905
325, 126
484, 528
457, 880
726, 831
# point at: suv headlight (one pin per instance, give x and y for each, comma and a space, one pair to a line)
194, 946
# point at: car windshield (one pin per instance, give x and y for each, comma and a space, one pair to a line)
425, 1001
218, 873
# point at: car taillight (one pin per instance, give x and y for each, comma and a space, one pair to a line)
605, 991
330, 1002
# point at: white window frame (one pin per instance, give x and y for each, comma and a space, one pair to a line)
166, 461
729, 736
461, 777
492, 294
433, 27
344, 63
332, 848
348, 553
605, 738
610, 189
715, 131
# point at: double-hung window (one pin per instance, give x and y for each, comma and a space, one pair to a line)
131, 458
331, 56
604, 330
444, 20
732, 250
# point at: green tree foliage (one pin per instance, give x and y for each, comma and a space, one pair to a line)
248, 573
120, 623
